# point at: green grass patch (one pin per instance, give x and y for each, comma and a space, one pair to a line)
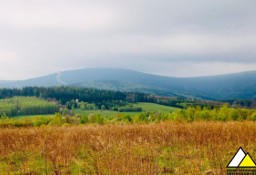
152, 107
146, 107
103, 112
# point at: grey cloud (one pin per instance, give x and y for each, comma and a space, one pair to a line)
41, 37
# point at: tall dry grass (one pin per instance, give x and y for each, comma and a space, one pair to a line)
163, 148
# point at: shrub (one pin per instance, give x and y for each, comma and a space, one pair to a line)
84, 119
57, 120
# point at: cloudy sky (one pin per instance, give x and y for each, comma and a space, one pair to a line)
166, 37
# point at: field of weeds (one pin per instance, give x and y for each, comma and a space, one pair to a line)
142, 149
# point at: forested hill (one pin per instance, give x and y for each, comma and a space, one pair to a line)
222, 87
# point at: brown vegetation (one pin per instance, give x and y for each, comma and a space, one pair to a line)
163, 148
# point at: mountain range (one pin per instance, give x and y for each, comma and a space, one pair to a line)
221, 87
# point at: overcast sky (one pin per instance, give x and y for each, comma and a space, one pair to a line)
166, 37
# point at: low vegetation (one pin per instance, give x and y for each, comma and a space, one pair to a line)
163, 148
191, 114
89, 131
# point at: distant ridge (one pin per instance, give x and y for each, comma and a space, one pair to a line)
221, 87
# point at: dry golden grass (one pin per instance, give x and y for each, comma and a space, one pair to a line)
142, 149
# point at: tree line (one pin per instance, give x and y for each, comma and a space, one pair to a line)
106, 99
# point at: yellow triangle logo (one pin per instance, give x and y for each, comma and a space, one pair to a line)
247, 162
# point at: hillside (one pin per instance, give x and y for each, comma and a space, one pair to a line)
230, 86
26, 106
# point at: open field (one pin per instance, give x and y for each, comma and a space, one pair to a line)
103, 112
152, 107
165, 148
146, 107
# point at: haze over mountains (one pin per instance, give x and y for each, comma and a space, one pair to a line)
221, 87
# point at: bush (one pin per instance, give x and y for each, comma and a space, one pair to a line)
57, 120
253, 116
84, 119
142, 117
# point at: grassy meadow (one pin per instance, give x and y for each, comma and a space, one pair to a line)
146, 107
158, 140
164, 148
